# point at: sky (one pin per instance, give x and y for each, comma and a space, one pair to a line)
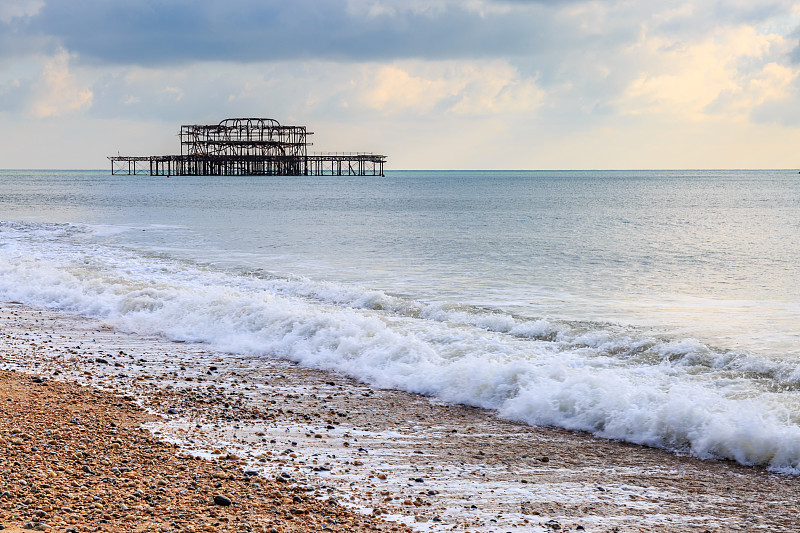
438, 84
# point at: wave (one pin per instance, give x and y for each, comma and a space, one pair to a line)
614, 381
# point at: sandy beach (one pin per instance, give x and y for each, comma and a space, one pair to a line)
103, 430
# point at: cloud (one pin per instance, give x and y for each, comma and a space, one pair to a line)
548, 79
326, 90
147, 33
13, 9
795, 53
727, 73
57, 91
142, 32
394, 89
581, 45
462, 88
783, 108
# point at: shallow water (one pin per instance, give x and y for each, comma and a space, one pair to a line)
658, 307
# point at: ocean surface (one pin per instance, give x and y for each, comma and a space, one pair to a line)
656, 307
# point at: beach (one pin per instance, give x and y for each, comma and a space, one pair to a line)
294, 448
77, 459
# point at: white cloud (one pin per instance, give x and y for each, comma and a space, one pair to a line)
460, 88
174, 93
727, 74
498, 89
57, 91
11, 9
393, 89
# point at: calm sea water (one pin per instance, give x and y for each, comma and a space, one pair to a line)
659, 307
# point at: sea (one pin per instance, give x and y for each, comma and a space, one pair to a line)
655, 307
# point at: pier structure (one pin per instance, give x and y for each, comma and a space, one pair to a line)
248, 147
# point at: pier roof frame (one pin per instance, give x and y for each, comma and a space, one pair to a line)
243, 137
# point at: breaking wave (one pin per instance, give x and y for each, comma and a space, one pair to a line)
614, 381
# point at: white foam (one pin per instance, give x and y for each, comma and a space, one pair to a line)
679, 395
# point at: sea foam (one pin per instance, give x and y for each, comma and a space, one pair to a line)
610, 380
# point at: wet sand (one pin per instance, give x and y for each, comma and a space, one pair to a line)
379, 454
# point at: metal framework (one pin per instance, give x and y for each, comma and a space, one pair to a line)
248, 147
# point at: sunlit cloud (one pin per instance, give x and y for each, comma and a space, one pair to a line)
58, 92
393, 89
725, 74
460, 88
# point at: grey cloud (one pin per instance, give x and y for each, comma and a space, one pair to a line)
580, 61
149, 33
785, 112
18, 39
750, 12
778, 113
794, 55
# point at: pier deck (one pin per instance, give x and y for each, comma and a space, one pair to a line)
309, 165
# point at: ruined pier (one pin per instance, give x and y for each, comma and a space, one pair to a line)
248, 147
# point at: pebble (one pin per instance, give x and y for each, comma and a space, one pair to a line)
224, 501
100, 466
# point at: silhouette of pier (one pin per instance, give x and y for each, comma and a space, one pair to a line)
248, 147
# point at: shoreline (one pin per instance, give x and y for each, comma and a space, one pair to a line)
401, 457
